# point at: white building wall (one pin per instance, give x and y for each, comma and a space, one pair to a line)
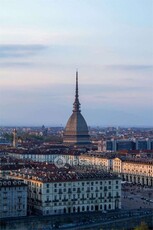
78, 196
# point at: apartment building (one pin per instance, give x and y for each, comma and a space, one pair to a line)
139, 171
13, 198
70, 189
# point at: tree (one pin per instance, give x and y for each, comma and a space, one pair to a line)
142, 226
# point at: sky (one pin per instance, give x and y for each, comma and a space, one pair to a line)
43, 42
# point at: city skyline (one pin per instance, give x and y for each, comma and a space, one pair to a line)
42, 44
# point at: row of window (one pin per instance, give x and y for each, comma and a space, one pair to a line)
82, 183
91, 195
72, 184
13, 188
78, 189
83, 208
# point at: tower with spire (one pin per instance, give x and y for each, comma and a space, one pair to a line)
15, 138
76, 104
76, 130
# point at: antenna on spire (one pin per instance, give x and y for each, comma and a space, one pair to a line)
76, 90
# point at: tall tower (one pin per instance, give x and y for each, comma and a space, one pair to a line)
15, 139
76, 130
76, 104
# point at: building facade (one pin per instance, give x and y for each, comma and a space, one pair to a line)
45, 157
94, 159
13, 198
138, 171
71, 191
125, 144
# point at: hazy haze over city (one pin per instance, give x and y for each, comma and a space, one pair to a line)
43, 42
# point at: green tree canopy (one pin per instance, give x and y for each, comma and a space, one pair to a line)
142, 226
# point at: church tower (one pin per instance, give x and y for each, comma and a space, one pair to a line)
15, 139
76, 130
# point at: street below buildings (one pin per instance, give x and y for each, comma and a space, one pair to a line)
136, 197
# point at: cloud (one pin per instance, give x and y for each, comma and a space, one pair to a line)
58, 90
63, 92
16, 64
20, 51
129, 67
111, 88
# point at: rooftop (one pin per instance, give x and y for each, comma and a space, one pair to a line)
50, 173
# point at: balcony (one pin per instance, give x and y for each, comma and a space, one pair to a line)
91, 198
74, 199
117, 196
101, 197
56, 200
83, 199
47, 201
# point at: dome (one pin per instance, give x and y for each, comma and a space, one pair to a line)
76, 130
76, 124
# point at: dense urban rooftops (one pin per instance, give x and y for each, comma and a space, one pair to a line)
43, 151
50, 173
